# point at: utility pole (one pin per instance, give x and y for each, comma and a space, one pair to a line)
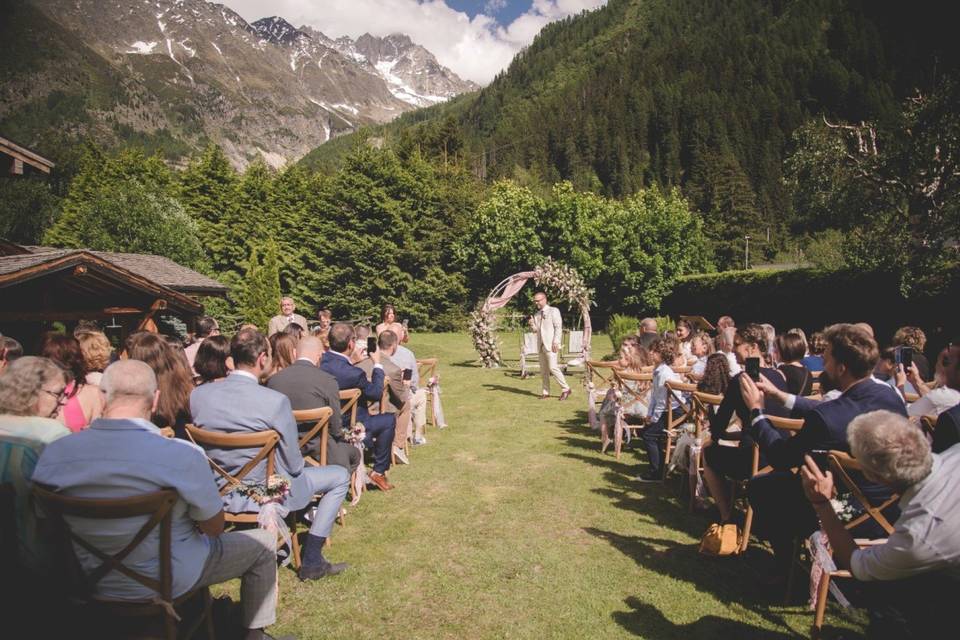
746, 254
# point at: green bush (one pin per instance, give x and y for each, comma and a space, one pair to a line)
619, 327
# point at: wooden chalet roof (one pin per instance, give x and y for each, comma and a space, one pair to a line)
24, 155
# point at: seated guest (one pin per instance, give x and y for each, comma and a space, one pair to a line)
173, 377
213, 361
915, 574
722, 461
633, 403
770, 357
388, 322
142, 462
813, 361
725, 340
684, 334
887, 370
279, 322
97, 354
308, 387
947, 432
83, 400
359, 353
725, 322
790, 350
716, 375
206, 327
399, 396
31, 392
700, 348
662, 352
648, 332
380, 429
295, 331
240, 405
935, 398
10, 350
405, 359
916, 339
283, 351
781, 513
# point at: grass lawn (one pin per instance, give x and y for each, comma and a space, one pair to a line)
510, 524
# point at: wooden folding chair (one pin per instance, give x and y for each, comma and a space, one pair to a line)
793, 425
628, 396
267, 442
157, 508
426, 369
402, 414
321, 419
703, 405
675, 390
599, 380
841, 464
928, 424
166, 432
348, 405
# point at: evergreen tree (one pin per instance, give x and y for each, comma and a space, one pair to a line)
259, 293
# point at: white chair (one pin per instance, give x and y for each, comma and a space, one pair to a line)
573, 357
529, 353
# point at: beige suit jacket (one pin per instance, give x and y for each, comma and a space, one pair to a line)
548, 325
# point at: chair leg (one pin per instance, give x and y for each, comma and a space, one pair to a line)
822, 593
617, 440
208, 614
792, 571
667, 450
294, 540
747, 523
170, 626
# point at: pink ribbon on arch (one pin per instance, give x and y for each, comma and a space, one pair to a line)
511, 288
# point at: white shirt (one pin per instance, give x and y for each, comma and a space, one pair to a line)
699, 366
117, 458
935, 402
925, 535
659, 395
732, 361
405, 359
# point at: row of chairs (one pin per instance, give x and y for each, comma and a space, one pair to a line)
157, 508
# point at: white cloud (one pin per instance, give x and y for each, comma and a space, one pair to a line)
476, 49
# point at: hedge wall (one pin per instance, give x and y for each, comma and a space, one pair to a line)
811, 299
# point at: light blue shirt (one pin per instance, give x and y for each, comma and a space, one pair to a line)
405, 359
118, 458
659, 395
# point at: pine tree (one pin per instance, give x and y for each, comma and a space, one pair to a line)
259, 292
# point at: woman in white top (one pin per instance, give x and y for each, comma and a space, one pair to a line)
933, 400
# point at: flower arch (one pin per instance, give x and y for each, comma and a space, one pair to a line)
557, 280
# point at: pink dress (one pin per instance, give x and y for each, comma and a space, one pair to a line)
73, 415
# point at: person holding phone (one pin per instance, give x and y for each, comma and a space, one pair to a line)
733, 457
400, 398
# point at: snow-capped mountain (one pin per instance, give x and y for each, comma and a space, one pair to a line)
193, 72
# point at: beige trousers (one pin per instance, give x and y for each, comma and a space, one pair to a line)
418, 409
550, 367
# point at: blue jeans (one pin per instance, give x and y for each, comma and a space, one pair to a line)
332, 481
652, 437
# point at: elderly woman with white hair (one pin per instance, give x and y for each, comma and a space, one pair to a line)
32, 391
920, 561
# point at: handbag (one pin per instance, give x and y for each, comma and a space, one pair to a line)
720, 540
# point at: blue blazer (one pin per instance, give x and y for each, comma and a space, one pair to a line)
825, 427
349, 376
239, 404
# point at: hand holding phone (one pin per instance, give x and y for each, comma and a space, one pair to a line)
906, 357
820, 458
408, 374
753, 369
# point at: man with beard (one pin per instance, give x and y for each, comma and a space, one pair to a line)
781, 511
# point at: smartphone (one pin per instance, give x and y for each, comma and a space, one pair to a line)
820, 458
371, 344
753, 369
906, 357
408, 374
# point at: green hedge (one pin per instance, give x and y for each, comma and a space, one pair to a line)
811, 299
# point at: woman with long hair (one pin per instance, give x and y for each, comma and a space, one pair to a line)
174, 378
83, 400
283, 350
213, 361
716, 375
388, 320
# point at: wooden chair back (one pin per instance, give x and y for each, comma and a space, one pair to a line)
911, 397
166, 432
348, 403
321, 419
676, 417
600, 374
702, 402
629, 394
841, 464
426, 369
266, 441
157, 507
928, 424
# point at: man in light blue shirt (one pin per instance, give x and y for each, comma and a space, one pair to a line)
123, 454
663, 351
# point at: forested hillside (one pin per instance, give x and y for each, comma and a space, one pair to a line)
700, 94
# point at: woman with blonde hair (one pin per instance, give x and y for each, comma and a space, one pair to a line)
97, 352
633, 359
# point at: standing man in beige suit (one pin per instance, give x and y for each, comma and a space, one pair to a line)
548, 325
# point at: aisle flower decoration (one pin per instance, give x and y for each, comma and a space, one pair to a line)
271, 495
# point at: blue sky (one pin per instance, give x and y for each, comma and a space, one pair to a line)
475, 38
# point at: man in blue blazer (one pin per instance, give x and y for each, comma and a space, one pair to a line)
782, 513
239, 404
379, 429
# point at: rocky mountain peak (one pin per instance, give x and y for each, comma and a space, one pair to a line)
276, 30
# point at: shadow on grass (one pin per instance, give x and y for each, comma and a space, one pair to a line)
721, 577
503, 387
647, 621
466, 364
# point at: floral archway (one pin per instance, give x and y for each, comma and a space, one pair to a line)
557, 280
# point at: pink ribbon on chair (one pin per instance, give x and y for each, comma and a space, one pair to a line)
272, 517
823, 564
592, 418
435, 398
361, 478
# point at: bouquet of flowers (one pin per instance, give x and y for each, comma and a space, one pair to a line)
355, 435
846, 507
274, 489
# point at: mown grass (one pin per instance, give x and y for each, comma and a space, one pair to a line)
510, 524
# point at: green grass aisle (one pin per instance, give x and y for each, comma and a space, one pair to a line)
510, 524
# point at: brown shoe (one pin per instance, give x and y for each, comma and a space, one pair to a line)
565, 394
380, 480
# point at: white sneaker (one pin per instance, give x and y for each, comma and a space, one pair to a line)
419, 441
401, 456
